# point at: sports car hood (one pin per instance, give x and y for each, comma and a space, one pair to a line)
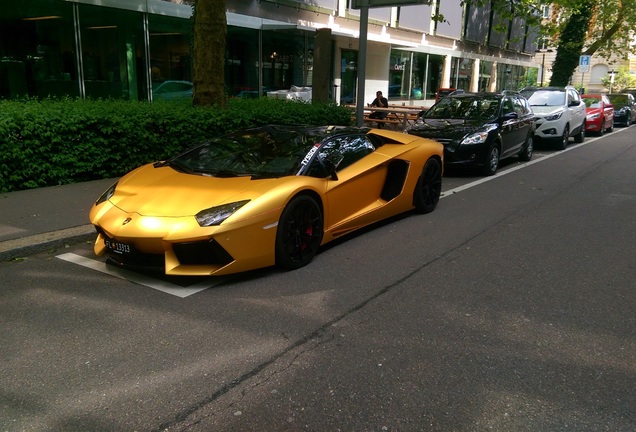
445, 128
164, 192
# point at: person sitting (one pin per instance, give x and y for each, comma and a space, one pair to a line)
379, 102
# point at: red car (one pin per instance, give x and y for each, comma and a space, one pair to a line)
599, 113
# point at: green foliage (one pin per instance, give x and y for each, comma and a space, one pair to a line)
570, 47
52, 142
622, 80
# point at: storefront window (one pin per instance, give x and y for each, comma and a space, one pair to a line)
349, 76
429, 71
112, 53
510, 77
414, 76
283, 59
461, 71
241, 62
400, 74
37, 50
170, 63
485, 68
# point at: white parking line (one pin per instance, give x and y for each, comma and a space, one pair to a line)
516, 168
140, 279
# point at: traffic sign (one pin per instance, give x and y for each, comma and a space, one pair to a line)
584, 63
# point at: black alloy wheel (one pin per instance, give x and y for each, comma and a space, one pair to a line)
429, 187
528, 149
299, 233
563, 142
492, 163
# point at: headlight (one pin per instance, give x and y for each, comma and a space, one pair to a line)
476, 138
593, 116
216, 215
555, 116
106, 195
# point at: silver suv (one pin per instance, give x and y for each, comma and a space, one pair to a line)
560, 113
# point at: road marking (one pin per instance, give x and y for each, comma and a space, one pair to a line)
140, 279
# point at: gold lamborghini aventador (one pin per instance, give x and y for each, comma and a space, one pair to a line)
264, 196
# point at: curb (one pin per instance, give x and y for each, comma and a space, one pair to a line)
12, 249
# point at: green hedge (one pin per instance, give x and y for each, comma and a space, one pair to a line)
53, 142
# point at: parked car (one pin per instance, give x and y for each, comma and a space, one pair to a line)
624, 108
560, 113
172, 90
599, 113
479, 129
263, 196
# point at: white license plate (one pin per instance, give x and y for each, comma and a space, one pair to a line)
118, 247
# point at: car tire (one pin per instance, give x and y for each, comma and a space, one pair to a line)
564, 140
611, 127
492, 162
528, 149
580, 137
428, 188
299, 233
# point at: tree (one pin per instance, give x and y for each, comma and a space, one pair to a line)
585, 27
622, 80
210, 35
571, 42
591, 27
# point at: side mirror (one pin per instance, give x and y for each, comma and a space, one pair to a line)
511, 115
331, 169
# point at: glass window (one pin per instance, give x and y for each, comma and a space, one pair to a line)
37, 47
349, 76
283, 59
399, 74
112, 53
345, 150
170, 53
241, 63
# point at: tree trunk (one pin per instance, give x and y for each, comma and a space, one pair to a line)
210, 34
570, 46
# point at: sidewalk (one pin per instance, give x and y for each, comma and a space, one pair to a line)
36, 220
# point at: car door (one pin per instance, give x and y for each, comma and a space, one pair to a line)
354, 194
511, 126
608, 112
576, 107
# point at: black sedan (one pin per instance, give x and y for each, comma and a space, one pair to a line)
480, 129
624, 108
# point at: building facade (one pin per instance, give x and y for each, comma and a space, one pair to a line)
125, 48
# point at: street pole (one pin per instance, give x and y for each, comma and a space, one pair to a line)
542, 68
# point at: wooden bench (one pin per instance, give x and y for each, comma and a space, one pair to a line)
397, 123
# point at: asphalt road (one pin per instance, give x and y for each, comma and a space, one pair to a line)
511, 307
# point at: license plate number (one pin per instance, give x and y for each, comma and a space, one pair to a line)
118, 247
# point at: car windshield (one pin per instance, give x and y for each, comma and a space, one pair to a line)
261, 152
465, 108
618, 99
592, 102
545, 97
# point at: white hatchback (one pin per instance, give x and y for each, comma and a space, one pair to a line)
560, 113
